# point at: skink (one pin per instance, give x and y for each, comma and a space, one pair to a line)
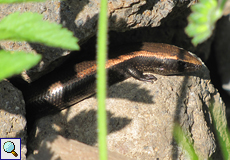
66, 86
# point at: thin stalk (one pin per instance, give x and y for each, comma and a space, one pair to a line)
101, 80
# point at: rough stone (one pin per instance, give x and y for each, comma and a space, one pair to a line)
57, 147
141, 117
12, 115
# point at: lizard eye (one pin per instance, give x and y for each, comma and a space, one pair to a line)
182, 66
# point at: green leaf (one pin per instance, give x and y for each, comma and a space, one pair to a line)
180, 138
201, 37
217, 14
211, 3
15, 62
194, 29
198, 18
202, 20
30, 27
19, 1
204, 1
199, 8
220, 128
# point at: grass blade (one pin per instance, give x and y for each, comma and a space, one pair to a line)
101, 80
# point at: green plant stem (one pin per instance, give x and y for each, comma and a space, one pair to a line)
222, 4
222, 133
180, 138
101, 80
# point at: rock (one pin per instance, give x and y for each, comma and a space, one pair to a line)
12, 115
57, 147
141, 117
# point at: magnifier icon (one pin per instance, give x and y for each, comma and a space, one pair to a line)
9, 147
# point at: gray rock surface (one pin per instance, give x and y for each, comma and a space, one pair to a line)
57, 147
12, 115
141, 117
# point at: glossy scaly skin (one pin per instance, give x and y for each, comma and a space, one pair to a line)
67, 86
